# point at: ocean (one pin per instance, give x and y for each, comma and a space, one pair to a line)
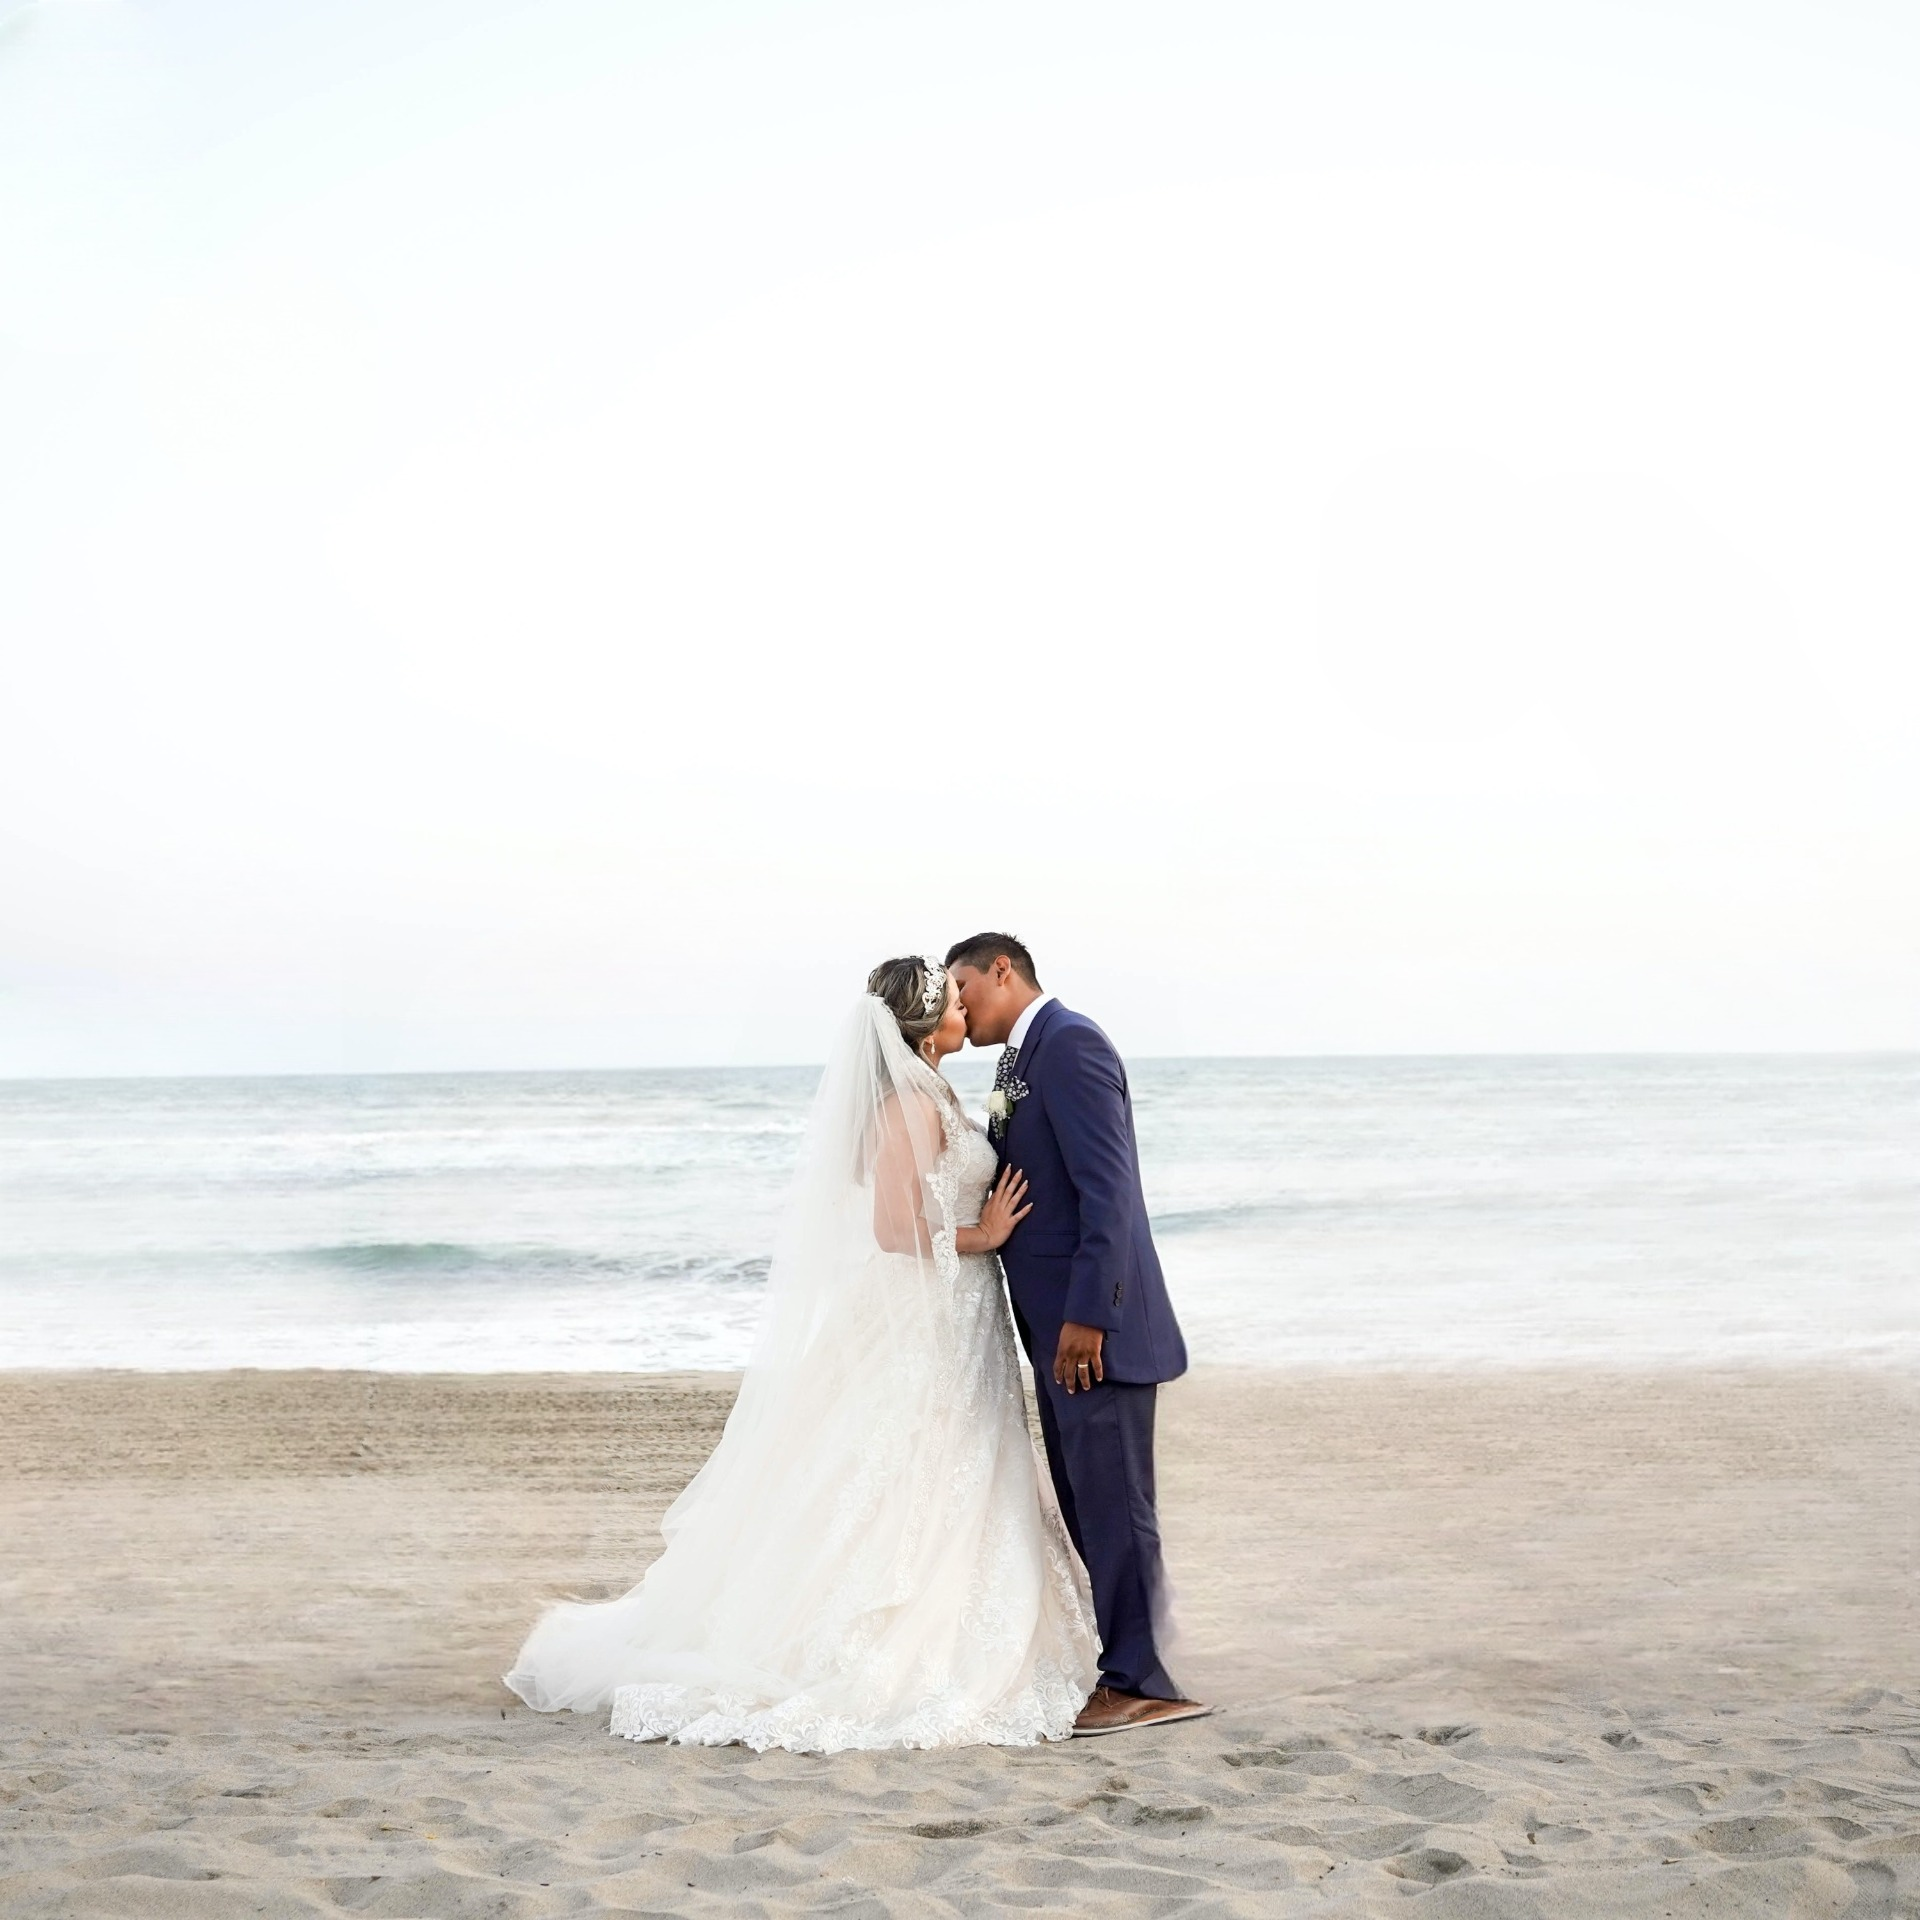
1424, 1212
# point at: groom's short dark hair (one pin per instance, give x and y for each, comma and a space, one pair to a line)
983, 949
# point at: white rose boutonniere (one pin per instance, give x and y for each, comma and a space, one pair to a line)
1000, 1104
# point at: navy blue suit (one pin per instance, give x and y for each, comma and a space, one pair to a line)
1085, 1253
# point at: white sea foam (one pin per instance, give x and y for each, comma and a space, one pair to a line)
1332, 1212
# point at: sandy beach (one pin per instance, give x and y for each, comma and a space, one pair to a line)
1501, 1643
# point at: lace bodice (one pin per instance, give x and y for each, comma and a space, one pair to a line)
966, 1168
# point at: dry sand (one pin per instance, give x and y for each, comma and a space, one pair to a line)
1547, 1644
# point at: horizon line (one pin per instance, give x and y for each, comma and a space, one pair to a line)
798, 1066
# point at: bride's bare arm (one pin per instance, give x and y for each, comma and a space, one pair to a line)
910, 1141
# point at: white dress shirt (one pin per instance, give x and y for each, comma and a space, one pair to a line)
1017, 1038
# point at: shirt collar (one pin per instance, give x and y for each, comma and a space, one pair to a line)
1021, 1027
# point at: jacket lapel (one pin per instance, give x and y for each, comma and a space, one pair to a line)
1023, 1066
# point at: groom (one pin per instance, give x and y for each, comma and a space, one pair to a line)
1089, 1301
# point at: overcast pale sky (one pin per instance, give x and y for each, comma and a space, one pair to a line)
549, 535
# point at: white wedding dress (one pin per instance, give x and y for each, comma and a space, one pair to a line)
872, 1556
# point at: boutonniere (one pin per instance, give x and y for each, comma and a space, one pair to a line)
1000, 1104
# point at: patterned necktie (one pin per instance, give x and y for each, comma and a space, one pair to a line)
1002, 1081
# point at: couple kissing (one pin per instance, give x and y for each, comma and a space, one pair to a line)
872, 1556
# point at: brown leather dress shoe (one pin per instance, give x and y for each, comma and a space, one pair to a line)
1110, 1711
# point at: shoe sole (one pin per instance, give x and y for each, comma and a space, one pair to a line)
1194, 1712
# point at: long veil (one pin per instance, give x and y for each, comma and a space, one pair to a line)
866, 1187
823, 1568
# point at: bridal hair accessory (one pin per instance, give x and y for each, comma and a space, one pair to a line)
936, 987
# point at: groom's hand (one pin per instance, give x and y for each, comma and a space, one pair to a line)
1076, 1361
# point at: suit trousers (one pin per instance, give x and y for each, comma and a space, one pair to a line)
1100, 1450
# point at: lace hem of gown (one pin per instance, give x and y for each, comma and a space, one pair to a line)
696, 1717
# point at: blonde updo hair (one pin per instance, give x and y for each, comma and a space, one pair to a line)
901, 987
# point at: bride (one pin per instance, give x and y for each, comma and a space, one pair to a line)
871, 1557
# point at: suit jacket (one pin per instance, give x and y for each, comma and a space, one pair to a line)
1085, 1252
